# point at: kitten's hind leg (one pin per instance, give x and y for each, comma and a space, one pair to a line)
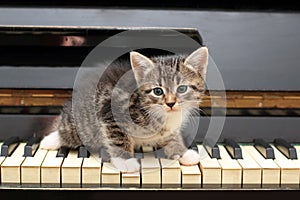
51, 141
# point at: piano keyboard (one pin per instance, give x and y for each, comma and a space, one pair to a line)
226, 165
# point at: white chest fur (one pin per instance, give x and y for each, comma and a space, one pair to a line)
174, 121
172, 125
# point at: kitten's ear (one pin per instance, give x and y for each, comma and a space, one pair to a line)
198, 61
140, 64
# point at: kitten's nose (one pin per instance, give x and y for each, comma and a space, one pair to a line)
170, 104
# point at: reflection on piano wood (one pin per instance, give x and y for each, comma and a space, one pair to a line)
74, 168
233, 99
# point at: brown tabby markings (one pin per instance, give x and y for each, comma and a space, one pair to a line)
145, 108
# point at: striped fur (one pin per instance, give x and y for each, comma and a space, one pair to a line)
151, 121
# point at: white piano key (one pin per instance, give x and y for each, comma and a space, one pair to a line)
290, 171
131, 179
11, 167
191, 176
148, 151
110, 176
31, 167
50, 170
210, 169
231, 170
150, 172
270, 170
91, 171
170, 173
71, 170
251, 175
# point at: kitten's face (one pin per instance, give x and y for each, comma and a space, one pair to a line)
171, 85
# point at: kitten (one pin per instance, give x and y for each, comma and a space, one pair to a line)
169, 90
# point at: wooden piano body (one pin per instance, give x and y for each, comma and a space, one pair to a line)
256, 52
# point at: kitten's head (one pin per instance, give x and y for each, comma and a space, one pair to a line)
170, 84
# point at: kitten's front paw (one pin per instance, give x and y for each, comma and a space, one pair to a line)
190, 157
51, 141
129, 165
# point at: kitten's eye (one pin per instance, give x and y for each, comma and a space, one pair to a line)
182, 89
158, 91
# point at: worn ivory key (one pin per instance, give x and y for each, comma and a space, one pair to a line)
11, 167
231, 170
150, 168
50, 170
110, 176
210, 169
31, 168
251, 176
170, 173
290, 170
71, 170
91, 171
270, 170
191, 176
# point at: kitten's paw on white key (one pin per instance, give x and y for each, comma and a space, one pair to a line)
51, 141
190, 157
129, 165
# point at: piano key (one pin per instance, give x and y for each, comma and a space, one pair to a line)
251, 174
148, 151
9, 146
231, 170
213, 151
31, 168
131, 179
170, 173
91, 171
264, 148
191, 176
63, 152
110, 176
71, 170
290, 171
233, 148
150, 169
159, 153
50, 170
138, 154
11, 167
284, 147
31, 146
270, 170
83, 152
210, 169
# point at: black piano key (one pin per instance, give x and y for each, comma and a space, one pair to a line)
233, 148
63, 152
213, 151
9, 146
264, 148
159, 153
104, 154
138, 153
286, 148
194, 147
83, 152
31, 146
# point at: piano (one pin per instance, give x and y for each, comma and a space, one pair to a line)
255, 49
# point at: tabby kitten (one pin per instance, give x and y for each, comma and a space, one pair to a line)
168, 90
